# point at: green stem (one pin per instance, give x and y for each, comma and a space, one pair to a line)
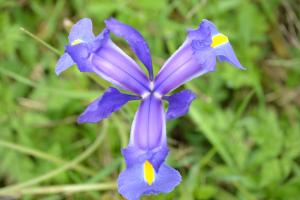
65, 189
80, 158
40, 41
42, 155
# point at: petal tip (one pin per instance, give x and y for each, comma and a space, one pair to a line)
63, 63
83, 30
57, 72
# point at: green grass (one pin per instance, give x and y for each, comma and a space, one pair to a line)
240, 140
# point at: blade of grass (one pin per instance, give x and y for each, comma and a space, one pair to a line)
198, 118
26, 81
17, 77
11, 189
43, 155
40, 41
107, 170
56, 51
64, 189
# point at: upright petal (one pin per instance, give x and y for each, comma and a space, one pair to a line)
111, 101
134, 182
148, 129
179, 103
82, 31
64, 62
135, 40
195, 57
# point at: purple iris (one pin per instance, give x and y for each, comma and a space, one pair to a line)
146, 171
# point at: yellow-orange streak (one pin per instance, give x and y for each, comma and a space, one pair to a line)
78, 41
219, 39
149, 172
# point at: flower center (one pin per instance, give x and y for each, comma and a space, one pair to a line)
149, 173
218, 40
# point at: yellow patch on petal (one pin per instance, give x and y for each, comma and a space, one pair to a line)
78, 41
149, 172
218, 40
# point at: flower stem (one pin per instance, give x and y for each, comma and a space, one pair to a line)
40, 40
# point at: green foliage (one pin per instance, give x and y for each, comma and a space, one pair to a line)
240, 140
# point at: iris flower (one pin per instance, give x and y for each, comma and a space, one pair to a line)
146, 171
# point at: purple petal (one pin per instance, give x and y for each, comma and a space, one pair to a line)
64, 62
179, 103
192, 59
82, 30
226, 53
131, 183
200, 62
206, 28
81, 55
112, 62
135, 40
104, 58
111, 101
119, 76
101, 40
156, 156
148, 129
195, 57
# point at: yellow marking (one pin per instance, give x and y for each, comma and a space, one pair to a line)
149, 172
219, 39
78, 41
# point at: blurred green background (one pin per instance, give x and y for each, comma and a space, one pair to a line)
240, 140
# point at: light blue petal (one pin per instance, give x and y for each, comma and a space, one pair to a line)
82, 30
64, 62
225, 53
132, 186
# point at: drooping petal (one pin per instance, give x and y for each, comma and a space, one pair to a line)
221, 45
195, 57
135, 40
64, 62
132, 183
82, 31
225, 53
148, 129
111, 101
179, 103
